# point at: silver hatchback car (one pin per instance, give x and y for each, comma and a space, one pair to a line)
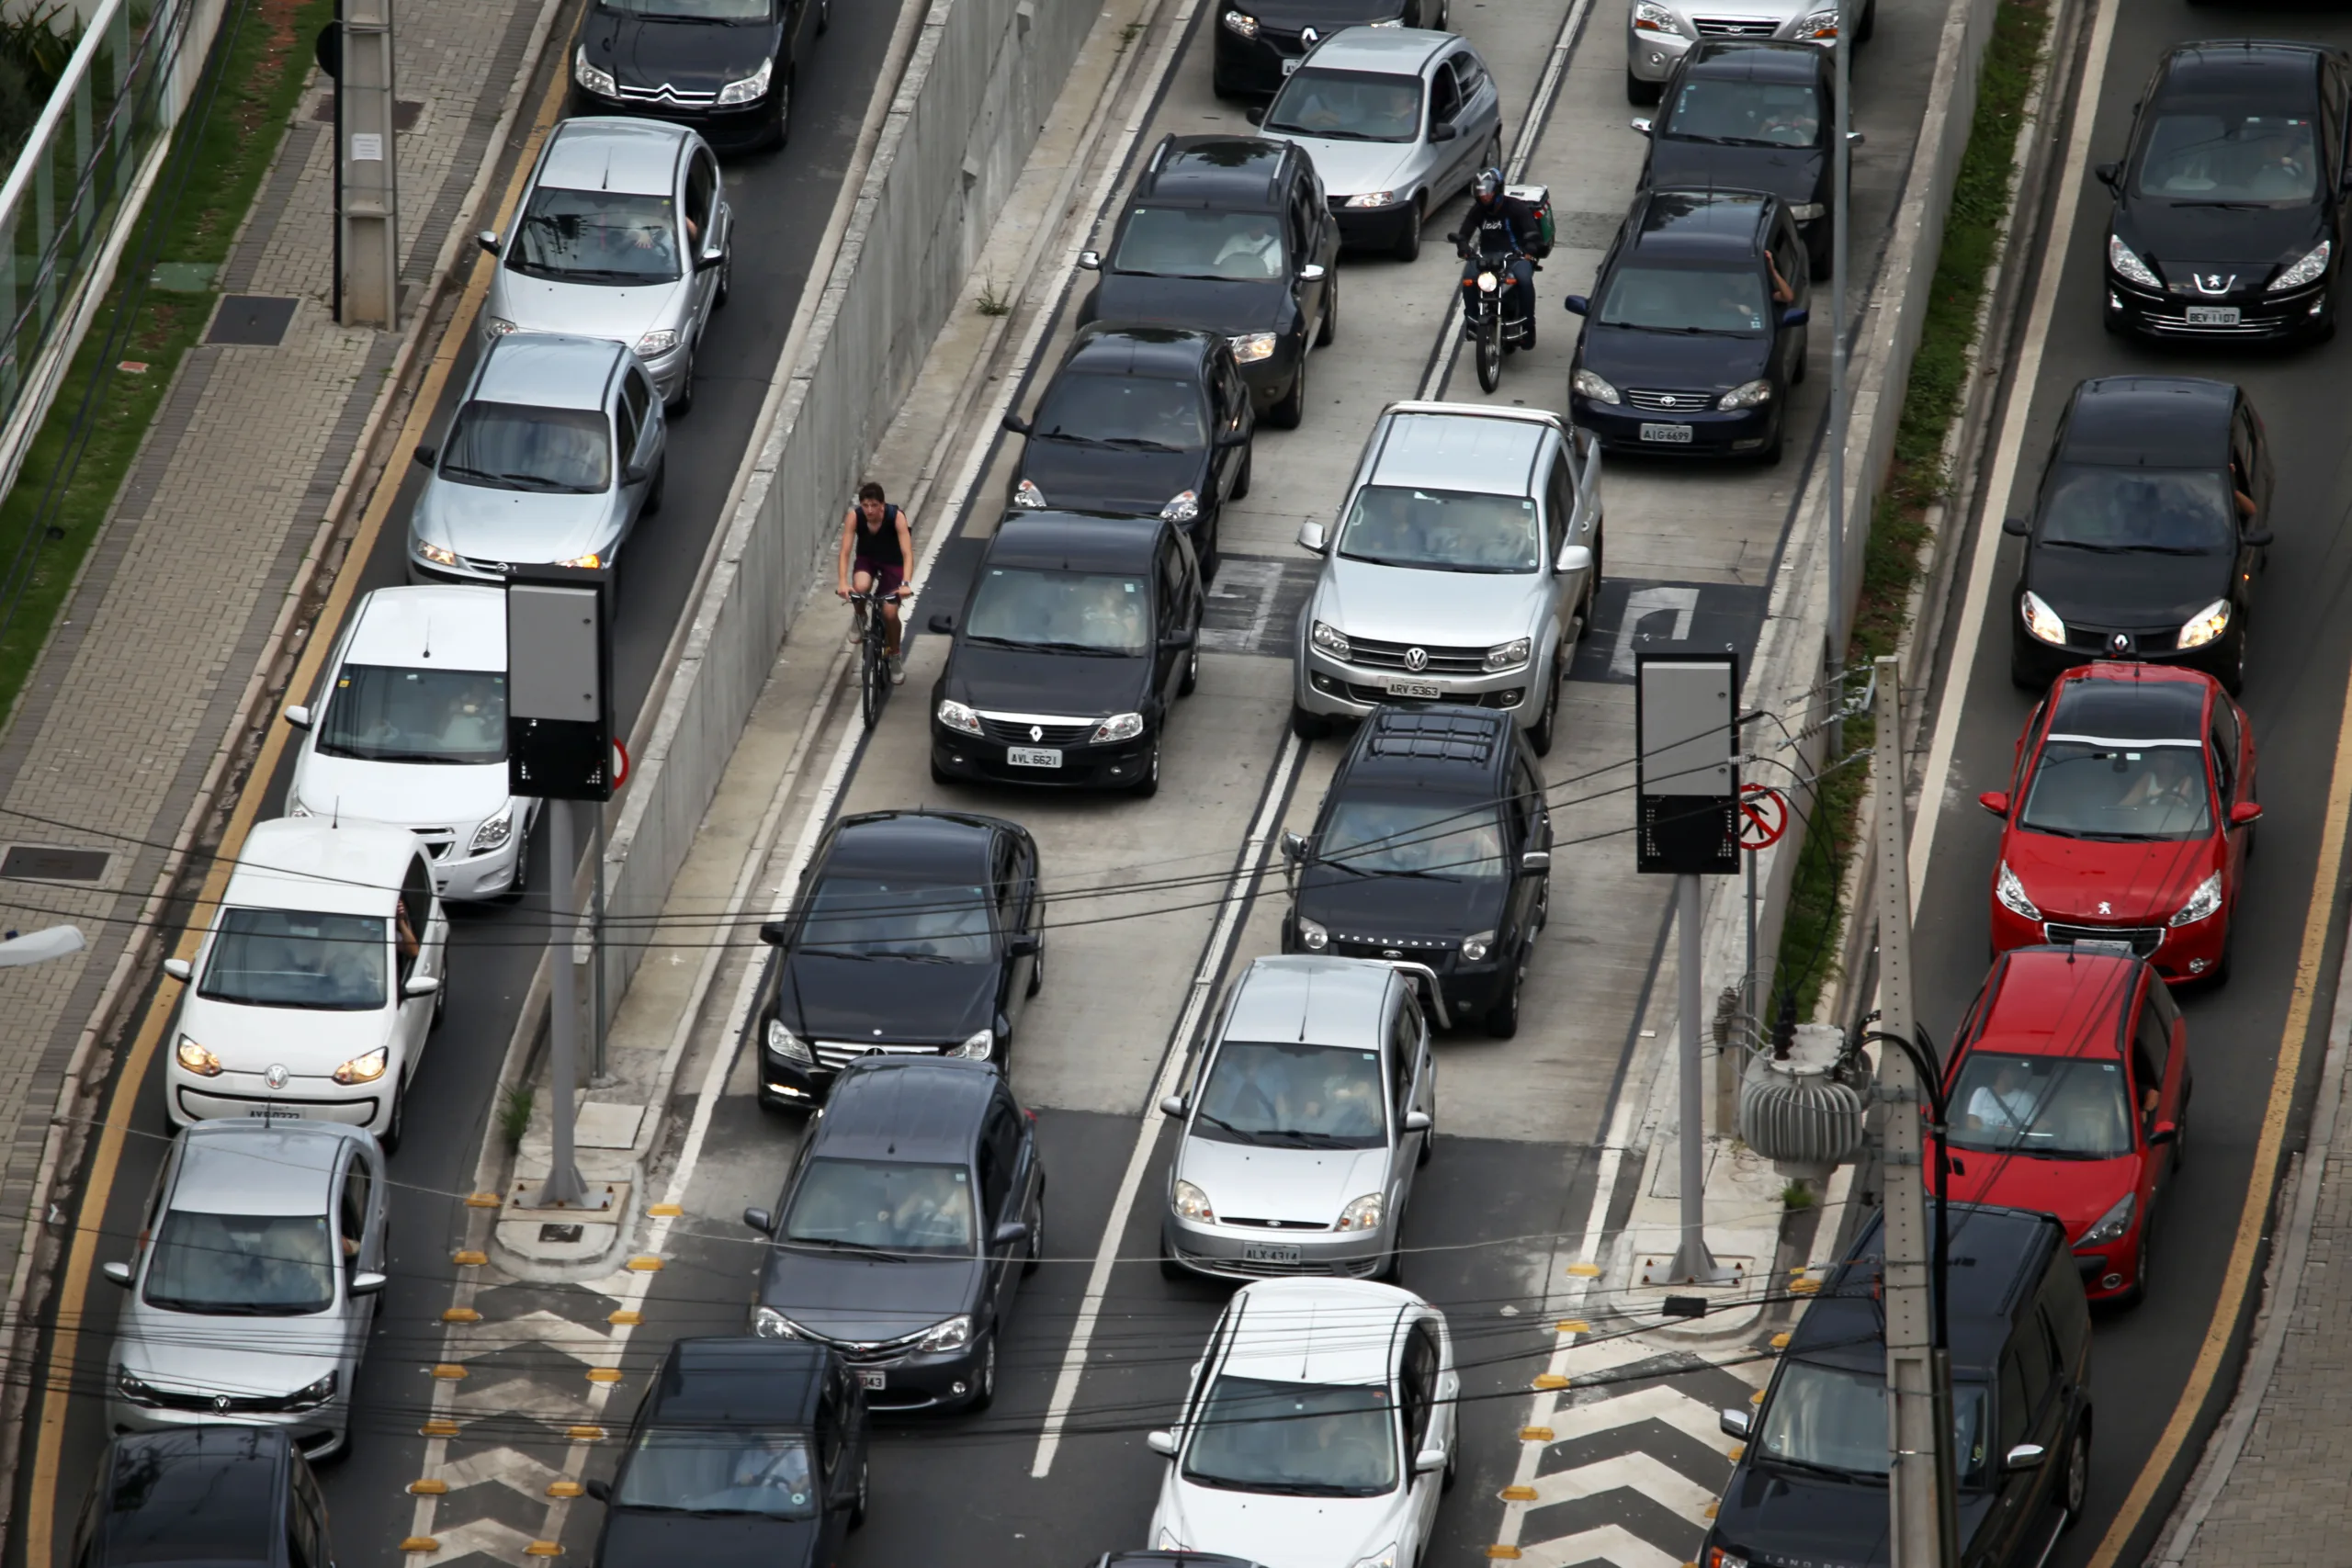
556, 450
625, 232
1658, 33
1312, 1106
257, 1275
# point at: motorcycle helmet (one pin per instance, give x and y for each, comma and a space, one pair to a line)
1489, 184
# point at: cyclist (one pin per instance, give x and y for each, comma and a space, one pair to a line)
877, 550
1498, 224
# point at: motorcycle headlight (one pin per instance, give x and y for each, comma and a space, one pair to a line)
493, 832
589, 76
1361, 1215
196, 1059
437, 555
1241, 23
2128, 265
1510, 655
955, 715
496, 326
1593, 387
1476, 948
2111, 1225
752, 88
1251, 347
365, 1069
783, 1042
1328, 638
1748, 395
1182, 507
1312, 936
1486, 283
2041, 620
311, 1395
591, 561
2011, 893
1026, 493
653, 343
1374, 198
1190, 1202
952, 1335
978, 1046
2206, 625
769, 1324
1808, 211
2303, 271
2201, 903
1818, 28
1652, 17
1118, 727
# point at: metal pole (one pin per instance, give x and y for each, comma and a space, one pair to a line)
369, 225
1693, 1264
1841, 190
596, 956
564, 1183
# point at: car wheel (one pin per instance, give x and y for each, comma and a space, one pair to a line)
2076, 1484
1208, 556
1640, 92
1036, 1239
1330, 327
1192, 671
1038, 970
1493, 156
726, 284
2233, 671
684, 403
2025, 665
1148, 785
1774, 447
1241, 481
1502, 1018
440, 1004
1308, 725
1452, 1466
2220, 976
984, 1390
391, 1135
1409, 244
1428, 1147
1288, 414
857, 1504
1541, 735
1392, 1268
2145, 1265
1868, 25
782, 133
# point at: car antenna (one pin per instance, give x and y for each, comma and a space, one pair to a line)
428, 636
335, 818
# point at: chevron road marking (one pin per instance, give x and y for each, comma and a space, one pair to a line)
1641, 1473
508, 1467
1610, 1543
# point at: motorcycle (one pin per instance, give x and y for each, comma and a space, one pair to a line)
1485, 322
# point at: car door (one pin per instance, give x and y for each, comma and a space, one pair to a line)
2154, 1090
1450, 157
2002, 1527
1240, 420
1790, 258
1304, 235
1559, 524
1001, 1195
357, 1194
1009, 879
700, 199
1417, 1375
653, 429
1481, 116
2249, 472
2226, 743
413, 1020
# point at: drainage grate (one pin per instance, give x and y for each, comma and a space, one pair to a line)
44, 862
256, 319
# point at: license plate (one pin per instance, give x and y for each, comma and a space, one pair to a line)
2212, 315
2101, 944
1289, 66
1032, 756
870, 1380
1677, 434
1262, 1252
1421, 689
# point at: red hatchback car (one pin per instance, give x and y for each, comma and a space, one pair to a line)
2068, 1092
2130, 817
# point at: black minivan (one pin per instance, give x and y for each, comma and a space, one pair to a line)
206, 1496
1433, 846
1811, 1486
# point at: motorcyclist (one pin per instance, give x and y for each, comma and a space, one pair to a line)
1497, 225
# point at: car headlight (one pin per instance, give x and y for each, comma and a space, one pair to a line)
196, 1059
1026, 493
1652, 17
978, 1046
2042, 620
1486, 283
364, 1068
592, 78
494, 832
1746, 395
1510, 655
952, 1335
1190, 1202
2011, 893
1477, 946
1251, 347
1182, 507
783, 1042
1808, 211
1374, 198
1241, 23
653, 343
1361, 1215
751, 88
1718, 1558
1312, 936
2111, 1225
1384, 1558
2128, 266
437, 555
2201, 903
135, 1391
955, 715
2206, 625
1328, 638
1118, 727
592, 560
1593, 387
310, 1396
1818, 28
2303, 271
496, 326
769, 1324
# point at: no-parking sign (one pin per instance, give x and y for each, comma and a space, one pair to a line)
1763, 817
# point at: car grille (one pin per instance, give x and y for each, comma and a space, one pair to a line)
439, 841
1673, 401
858, 1353
1438, 955
1013, 729
835, 1055
665, 93
1337, 1268
219, 1405
1275, 1224
1439, 661
484, 564
1734, 27
2092, 639
2249, 325
2144, 940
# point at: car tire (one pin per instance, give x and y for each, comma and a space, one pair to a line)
1308, 725
857, 1503
390, 1139
1409, 244
1452, 1466
1290, 411
1038, 970
2220, 975
1191, 673
2231, 673
1329, 328
1036, 1254
1541, 733
1773, 448
1242, 480
1146, 786
984, 1389
781, 132
2144, 1264
1428, 1147
2024, 666
1392, 1268
726, 284
1209, 554
440, 1005
2075, 1483
1640, 92
1502, 1018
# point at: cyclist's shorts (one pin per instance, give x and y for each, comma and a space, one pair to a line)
888, 576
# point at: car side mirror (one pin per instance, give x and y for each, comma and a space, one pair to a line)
1735, 1422
1294, 846
2110, 174
1171, 1105
1574, 559
1256, 113
1090, 261
1011, 1233
761, 1221
1996, 801
635, 474
1796, 316
775, 933
2024, 1456
2256, 536
1181, 637
1535, 859
427, 454
1311, 537
300, 717
709, 259
119, 1272
1446, 132
1162, 1443
1311, 273
420, 985
2018, 526
1417, 1120
1854, 139
2163, 1133
1642, 125
1577, 304
488, 241
180, 969
601, 1490
942, 624
1023, 944
2246, 813
1429, 1461
1015, 423
1227, 440
366, 1283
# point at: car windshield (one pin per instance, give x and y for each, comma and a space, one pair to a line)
1147, 411
1292, 1095
861, 917
2163, 511
394, 714
2204, 156
1412, 837
596, 236
1447, 530
2089, 787
1188, 242
1070, 612
694, 10
1745, 114
710, 1469
1349, 105
883, 1206
1834, 1419
1684, 299
513, 446
2064, 1107
1309, 1439
242, 1265
286, 958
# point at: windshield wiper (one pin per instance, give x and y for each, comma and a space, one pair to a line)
2079, 545
2231, 206
835, 1244
460, 470
909, 957
1311, 1139
1072, 436
1334, 134
393, 756
1088, 648
1137, 443
2169, 550
1838, 1472
1242, 1132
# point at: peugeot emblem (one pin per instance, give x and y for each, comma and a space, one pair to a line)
1417, 659
1667, 401
1309, 36
2120, 643
2105, 907
219, 1405
275, 1076
1036, 732
2212, 283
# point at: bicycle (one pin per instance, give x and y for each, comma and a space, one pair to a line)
873, 656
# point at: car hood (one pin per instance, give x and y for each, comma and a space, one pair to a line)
1105, 478
2079, 1192
691, 57
1328, 16
247, 1356
1377, 907
2132, 588
2253, 244
1793, 174
1456, 609
1626, 357
1076, 685
404, 794
1276, 1531
512, 525
1207, 304
885, 1000
1350, 168
635, 1538
868, 1299
622, 313
308, 1043
1782, 1519
1299, 1186
2107, 884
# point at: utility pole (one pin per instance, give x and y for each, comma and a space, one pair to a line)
1841, 193
1924, 1526
367, 188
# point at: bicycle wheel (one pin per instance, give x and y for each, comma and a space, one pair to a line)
873, 674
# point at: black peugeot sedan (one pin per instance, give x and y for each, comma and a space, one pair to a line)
1433, 846
905, 1227
1148, 420
744, 1450
1081, 630
913, 933
1256, 40
2230, 201
725, 67
1752, 116
2149, 532
1230, 234
1685, 347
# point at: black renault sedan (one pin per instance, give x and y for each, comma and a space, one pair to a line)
725, 67
2230, 207
905, 1227
913, 933
1081, 630
744, 1450
1148, 420
1752, 116
1696, 327
2149, 532
1230, 234
1256, 40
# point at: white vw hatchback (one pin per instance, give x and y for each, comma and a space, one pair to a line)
1318, 1431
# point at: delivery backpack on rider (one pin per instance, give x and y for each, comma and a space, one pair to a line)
1506, 234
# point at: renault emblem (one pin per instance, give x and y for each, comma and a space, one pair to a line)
1309, 36
1417, 659
275, 1076
2120, 643
1036, 732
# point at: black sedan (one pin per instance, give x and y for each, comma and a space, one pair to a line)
2149, 532
743, 1451
1696, 327
2230, 208
914, 932
1148, 420
1752, 116
1255, 38
725, 67
1230, 234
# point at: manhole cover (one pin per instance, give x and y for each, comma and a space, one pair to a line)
257, 319
560, 1235
43, 862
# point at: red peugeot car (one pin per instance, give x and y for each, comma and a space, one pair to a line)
2067, 1091
2130, 818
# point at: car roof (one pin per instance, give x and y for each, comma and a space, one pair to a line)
1314, 1331
2131, 702
195, 1495
739, 1381
2232, 67
312, 864
1448, 747
1233, 172
636, 157
1754, 59
919, 1109
274, 1167
1061, 540
1393, 50
2153, 420
444, 626
1309, 999
1171, 1560
926, 846
1997, 1258
2057, 1001
1108, 349
552, 370
1699, 225
1457, 448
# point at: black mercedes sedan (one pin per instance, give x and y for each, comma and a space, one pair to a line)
725, 67
1752, 116
905, 1227
1081, 630
2149, 532
1259, 43
1230, 234
2230, 201
1147, 419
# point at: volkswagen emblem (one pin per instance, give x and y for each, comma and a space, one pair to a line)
277, 1075
1667, 401
1417, 659
1310, 37
1036, 732
219, 1405
2120, 643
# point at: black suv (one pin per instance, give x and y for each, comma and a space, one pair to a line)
210, 1496
906, 1224
1752, 115
1154, 421
744, 1450
1256, 38
2151, 526
2230, 203
1433, 845
1812, 1485
1230, 234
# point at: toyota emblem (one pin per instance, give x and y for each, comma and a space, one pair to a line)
1667, 401
1417, 659
2120, 643
1036, 732
1392, 952
275, 1076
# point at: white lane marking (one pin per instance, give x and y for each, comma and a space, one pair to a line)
1222, 937
1994, 499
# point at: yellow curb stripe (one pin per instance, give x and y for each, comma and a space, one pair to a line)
482, 1201
1572, 1326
